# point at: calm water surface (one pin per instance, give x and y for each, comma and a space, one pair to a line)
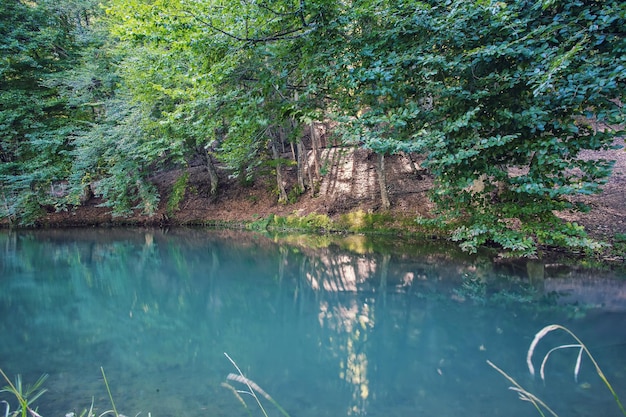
326, 326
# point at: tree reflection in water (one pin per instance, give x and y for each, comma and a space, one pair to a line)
334, 327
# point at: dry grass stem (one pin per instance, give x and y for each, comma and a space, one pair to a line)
579, 344
524, 394
250, 383
545, 360
106, 383
245, 382
253, 388
531, 349
236, 394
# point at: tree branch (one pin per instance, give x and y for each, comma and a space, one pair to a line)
215, 28
287, 34
274, 12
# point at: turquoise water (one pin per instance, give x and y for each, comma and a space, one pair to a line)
327, 327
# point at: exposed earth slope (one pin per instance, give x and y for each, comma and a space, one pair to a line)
349, 183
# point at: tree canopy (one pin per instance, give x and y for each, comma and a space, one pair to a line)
499, 97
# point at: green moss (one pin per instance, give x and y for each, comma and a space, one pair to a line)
360, 221
311, 222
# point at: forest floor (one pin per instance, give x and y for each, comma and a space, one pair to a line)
349, 184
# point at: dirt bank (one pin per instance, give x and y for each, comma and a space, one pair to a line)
349, 184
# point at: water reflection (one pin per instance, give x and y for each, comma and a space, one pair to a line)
339, 327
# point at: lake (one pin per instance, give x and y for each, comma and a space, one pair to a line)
325, 325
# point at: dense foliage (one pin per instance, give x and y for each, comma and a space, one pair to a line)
35, 123
499, 97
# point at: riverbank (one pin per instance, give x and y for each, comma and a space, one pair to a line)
348, 198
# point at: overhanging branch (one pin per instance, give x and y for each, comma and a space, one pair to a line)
287, 34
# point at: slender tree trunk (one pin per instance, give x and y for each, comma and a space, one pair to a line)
213, 178
315, 147
301, 159
414, 169
299, 155
382, 181
205, 154
282, 193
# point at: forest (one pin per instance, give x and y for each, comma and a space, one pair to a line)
498, 99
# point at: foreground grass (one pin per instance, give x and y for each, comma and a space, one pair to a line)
26, 396
540, 405
243, 387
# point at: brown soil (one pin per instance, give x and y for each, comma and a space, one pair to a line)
349, 184
608, 209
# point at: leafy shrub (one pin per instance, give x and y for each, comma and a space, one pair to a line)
178, 193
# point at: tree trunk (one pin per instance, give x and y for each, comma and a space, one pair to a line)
414, 169
315, 147
301, 159
213, 178
210, 168
282, 193
382, 181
